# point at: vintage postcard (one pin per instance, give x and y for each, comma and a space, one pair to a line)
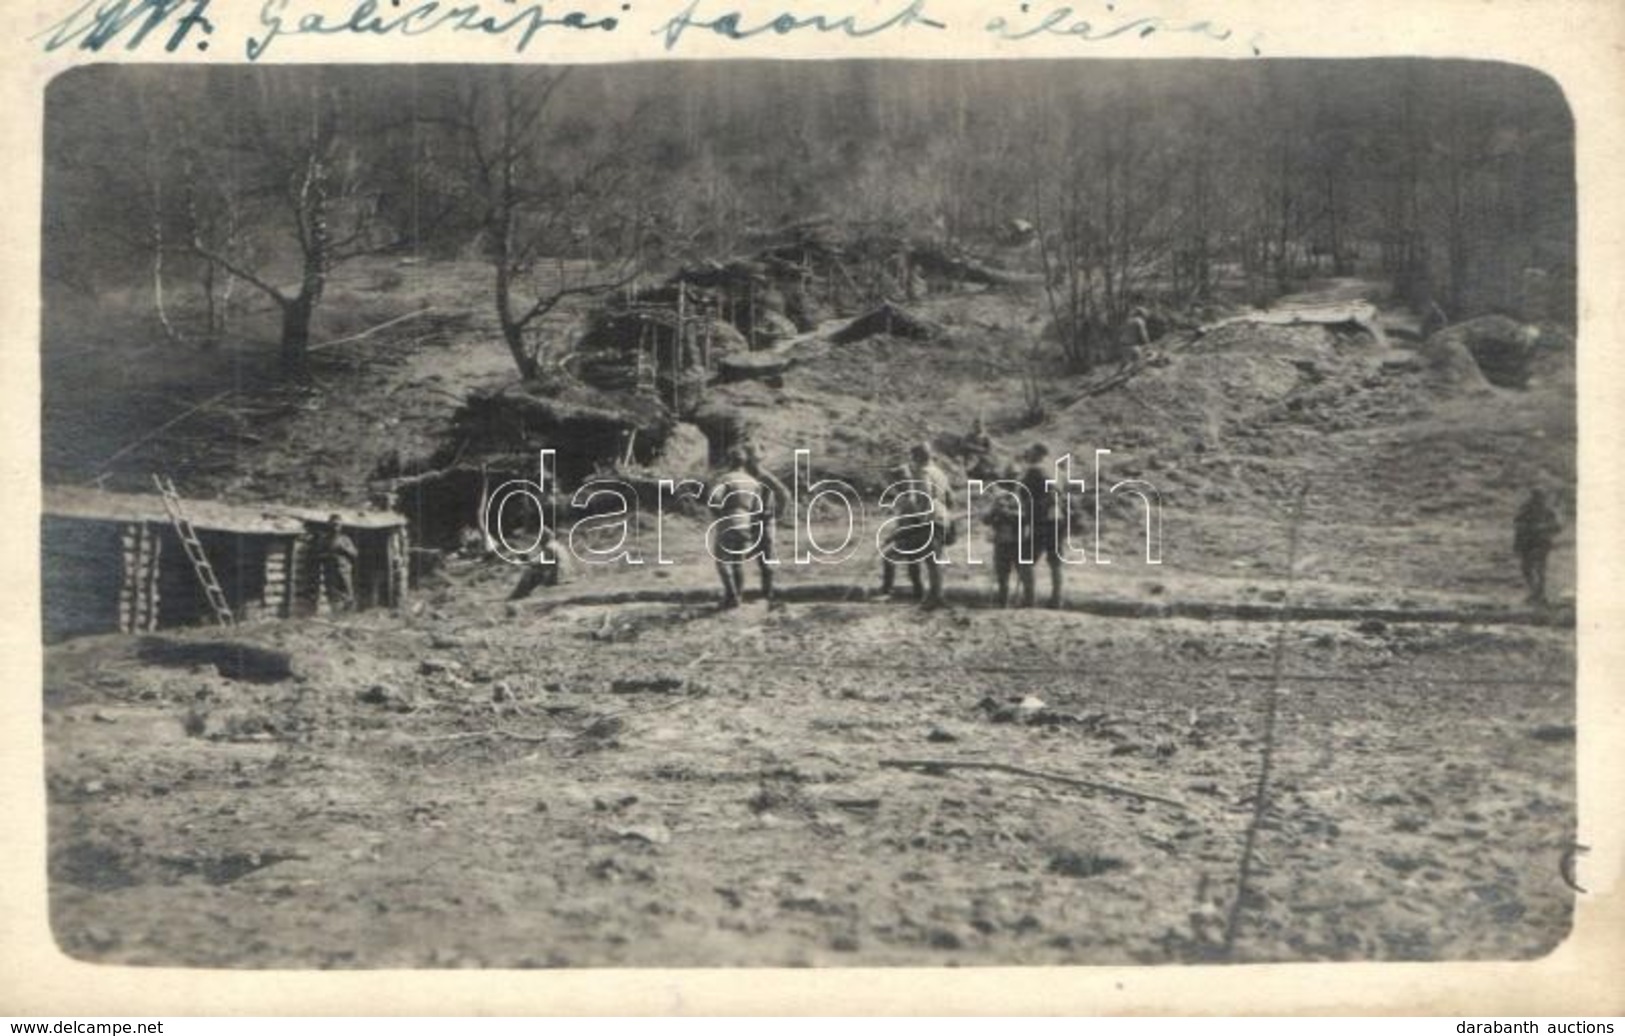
861, 507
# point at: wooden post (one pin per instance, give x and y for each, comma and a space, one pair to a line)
752, 315
139, 550
682, 318
301, 578
679, 346
129, 587
705, 346
279, 579
676, 373
639, 357
395, 555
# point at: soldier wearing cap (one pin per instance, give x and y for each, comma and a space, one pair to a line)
893, 551
1005, 520
337, 554
777, 500
940, 534
743, 529
1041, 535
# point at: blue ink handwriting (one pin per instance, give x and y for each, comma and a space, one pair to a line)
370, 17
1066, 21
728, 25
96, 23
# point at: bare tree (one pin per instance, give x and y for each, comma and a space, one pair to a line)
287, 169
548, 192
1104, 223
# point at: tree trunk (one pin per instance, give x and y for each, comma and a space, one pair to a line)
296, 314
513, 333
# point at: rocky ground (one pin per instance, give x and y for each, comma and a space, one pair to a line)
833, 783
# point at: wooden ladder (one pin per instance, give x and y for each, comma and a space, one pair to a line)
648, 359
194, 551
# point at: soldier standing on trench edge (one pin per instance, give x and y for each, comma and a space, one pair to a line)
1533, 531
744, 528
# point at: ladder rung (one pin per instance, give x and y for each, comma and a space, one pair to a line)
195, 553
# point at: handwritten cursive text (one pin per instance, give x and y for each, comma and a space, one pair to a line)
729, 24
96, 23
1067, 21
391, 17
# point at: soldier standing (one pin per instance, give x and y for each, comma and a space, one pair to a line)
1041, 536
1533, 531
743, 529
977, 452
940, 535
778, 499
338, 554
1005, 519
891, 552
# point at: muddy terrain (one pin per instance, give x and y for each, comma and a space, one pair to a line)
832, 783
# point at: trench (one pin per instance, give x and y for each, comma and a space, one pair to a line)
810, 593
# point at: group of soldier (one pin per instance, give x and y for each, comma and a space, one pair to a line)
1022, 525
1021, 520
748, 498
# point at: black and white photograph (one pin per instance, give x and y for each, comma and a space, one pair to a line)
809, 514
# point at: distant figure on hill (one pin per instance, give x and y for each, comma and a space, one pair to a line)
1433, 320
977, 453
1534, 529
1139, 328
337, 554
1137, 348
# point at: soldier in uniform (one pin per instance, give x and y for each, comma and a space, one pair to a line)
743, 529
1005, 519
778, 498
891, 552
1534, 529
977, 453
940, 534
338, 555
539, 573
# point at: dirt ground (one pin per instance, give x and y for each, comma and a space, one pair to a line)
662, 784
614, 773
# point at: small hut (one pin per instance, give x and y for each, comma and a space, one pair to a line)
114, 561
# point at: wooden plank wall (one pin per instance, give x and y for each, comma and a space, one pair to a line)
105, 575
